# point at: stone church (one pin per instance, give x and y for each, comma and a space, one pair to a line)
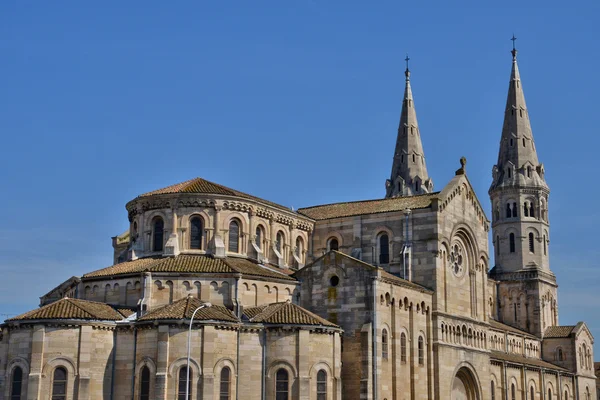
387, 299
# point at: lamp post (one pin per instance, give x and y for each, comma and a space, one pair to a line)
187, 379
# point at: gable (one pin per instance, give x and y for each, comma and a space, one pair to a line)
458, 187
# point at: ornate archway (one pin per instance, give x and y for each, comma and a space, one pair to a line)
464, 386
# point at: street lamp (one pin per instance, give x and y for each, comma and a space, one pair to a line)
187, 379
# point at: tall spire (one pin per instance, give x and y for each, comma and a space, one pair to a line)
517, 148
409, 171
520, 224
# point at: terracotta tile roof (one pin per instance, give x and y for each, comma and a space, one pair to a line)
125, 312
402, 282
184, 308
517, 359
126, 267
201, 264
351, 208
503, 327
285, 313
67, 308
558, 331
202, 186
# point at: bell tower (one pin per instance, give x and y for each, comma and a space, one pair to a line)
527, 287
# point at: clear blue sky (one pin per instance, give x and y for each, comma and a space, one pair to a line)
297, 102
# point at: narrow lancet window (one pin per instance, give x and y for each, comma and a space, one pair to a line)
511, 239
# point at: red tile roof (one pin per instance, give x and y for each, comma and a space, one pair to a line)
558, 331
184, 308
352, 208
517, 359
285, 314
201, 264
202, 186
67, 308
503, 327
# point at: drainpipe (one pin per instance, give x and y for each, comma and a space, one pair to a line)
374, 338
134, 363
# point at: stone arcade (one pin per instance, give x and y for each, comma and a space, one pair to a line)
386, 299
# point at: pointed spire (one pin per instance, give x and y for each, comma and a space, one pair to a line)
517, 148
409, 171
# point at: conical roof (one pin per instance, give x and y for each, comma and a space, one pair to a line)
409, 170
517, 151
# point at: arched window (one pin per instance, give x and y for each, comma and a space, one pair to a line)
559, 354
196, 230
493, 391
181, 384
421, 351
515, 210
529, 172
508, 210
322, 385
497, 245
333, 244
566, 395
509, 172
531, 248
417, 186
279, 242
413, 158
299, 247
545, 249
16, 384
134, 232
259, 237
532, 393
549, 393
384, 344
145, 384
234, 236
588, 395
513, 392
531, 213
384, 249
521, 113
225, 383
511, 240
158, 232
526, 209
59, 384
282, 385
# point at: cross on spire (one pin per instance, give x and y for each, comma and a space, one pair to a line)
514, 50
407, 72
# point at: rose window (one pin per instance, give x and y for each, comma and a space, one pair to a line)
457, 260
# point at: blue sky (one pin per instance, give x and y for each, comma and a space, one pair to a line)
297, 102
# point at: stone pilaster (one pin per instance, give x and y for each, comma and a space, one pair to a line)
36, 363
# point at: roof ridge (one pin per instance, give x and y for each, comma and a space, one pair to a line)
74, 303
369, 200
310, 313
266, 313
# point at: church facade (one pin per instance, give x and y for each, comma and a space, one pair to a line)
386, 299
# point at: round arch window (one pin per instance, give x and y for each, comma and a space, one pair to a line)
334, 281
